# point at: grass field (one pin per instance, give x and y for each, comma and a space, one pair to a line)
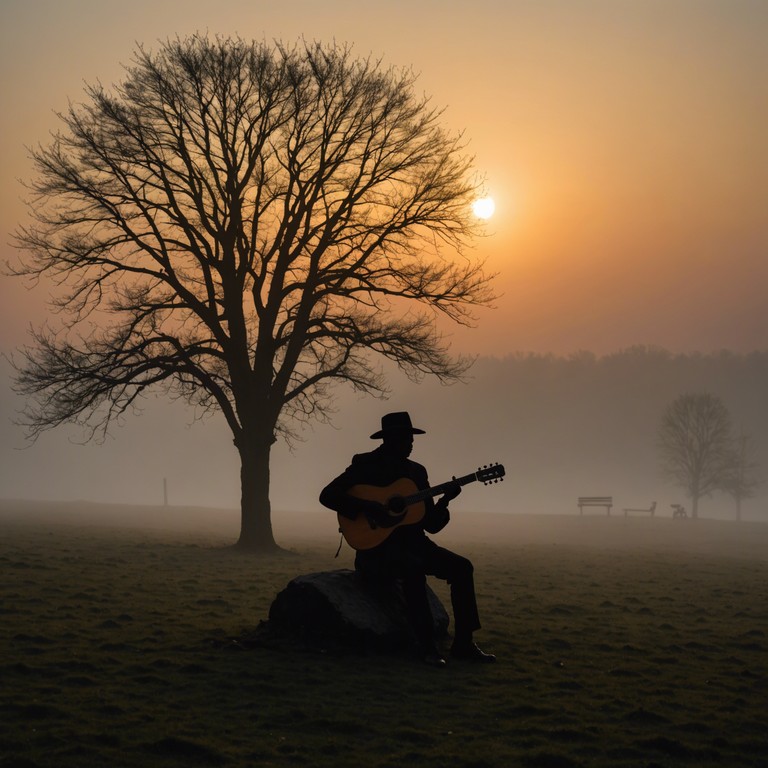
639, 642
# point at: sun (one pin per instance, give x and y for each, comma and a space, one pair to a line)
484, 207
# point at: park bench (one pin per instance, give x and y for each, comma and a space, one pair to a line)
649, 511
678, 512
595, 501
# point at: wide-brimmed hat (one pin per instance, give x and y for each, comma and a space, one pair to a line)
394, 423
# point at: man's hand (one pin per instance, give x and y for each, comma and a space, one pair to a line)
384, 515
451, 492
375, 513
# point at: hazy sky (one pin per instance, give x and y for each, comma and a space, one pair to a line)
623, 141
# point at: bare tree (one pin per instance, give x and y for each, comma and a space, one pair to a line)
695, 442
241, 225
740, 480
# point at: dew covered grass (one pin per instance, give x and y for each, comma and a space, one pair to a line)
620, 643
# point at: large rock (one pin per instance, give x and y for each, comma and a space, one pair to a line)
337, 608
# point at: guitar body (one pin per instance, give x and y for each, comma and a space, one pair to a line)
358, 532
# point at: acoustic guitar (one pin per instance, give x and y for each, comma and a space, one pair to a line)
404, 504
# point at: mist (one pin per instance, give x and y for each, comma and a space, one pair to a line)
562, 426
145, 598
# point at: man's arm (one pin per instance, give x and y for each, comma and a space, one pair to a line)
437, 515
335, 496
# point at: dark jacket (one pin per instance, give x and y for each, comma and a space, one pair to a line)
380, 468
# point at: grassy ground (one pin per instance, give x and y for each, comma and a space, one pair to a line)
620, 643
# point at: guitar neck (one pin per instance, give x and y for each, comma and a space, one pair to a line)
437, 490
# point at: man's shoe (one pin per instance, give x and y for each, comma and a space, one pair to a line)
471, 652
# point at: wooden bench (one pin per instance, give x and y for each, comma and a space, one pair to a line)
649, 511
678, 512
595, 501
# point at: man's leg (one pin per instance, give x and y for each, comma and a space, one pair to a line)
414, 583
458, 571
387, 565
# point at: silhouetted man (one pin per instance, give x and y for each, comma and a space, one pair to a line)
406, 553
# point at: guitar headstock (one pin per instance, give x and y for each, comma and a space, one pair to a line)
491, 473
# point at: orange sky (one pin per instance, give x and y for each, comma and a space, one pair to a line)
623, 141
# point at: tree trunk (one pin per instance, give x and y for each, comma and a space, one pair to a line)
695, 506
255, 509
738, 509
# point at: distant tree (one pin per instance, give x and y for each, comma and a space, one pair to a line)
695, 442
241, 225
740, 480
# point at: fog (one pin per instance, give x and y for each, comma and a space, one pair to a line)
562, 426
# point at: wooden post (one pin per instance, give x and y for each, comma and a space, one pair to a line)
165, 491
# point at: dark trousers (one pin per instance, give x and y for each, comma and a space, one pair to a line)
410, 560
